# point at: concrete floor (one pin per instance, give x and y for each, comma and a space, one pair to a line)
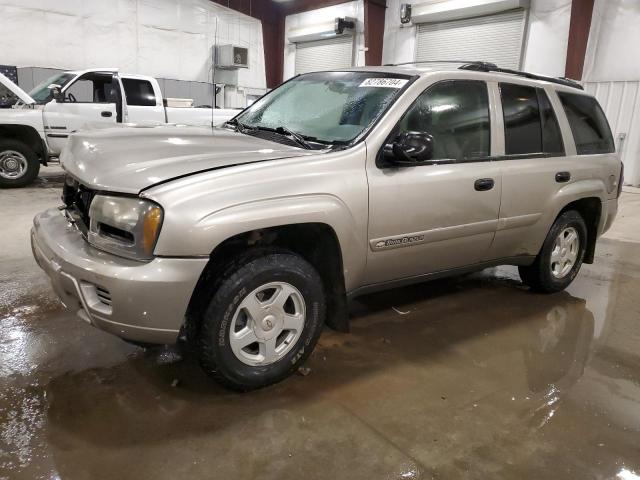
473, 377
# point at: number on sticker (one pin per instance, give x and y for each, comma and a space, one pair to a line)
384, 82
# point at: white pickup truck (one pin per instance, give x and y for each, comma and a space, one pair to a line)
37, 127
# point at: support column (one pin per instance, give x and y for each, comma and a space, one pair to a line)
374, 13
579, 26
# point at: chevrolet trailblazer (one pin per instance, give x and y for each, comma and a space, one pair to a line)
250, 237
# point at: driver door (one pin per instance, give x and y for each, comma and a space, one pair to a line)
441, 214
92, 100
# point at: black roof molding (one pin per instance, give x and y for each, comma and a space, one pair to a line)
490, 67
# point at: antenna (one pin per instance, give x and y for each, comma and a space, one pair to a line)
214, 60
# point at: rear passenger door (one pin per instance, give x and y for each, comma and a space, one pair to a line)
539, 165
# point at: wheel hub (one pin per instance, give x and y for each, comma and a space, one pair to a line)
13, 164
267, 324
565, 252
269, 327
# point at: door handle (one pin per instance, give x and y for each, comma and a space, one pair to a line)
106, 114
563, 177
484, 184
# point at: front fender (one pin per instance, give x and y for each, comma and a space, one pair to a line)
23, 117
216, 227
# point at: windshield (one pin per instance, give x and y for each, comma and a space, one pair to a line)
330, 107
41, 93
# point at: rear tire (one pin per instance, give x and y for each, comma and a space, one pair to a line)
19, 164
263, 321
561, 255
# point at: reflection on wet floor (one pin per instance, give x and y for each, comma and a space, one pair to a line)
472, 377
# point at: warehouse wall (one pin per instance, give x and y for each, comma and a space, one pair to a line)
322, 15
169, 39
612, 74
545, 41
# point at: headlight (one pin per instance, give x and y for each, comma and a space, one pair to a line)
125, 226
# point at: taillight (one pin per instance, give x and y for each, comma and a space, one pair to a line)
620, 180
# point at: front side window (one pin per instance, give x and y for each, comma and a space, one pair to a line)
327, 107
139, 92
92, 88
456, 115
589, 125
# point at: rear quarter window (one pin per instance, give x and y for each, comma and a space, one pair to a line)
139, 92
588, 123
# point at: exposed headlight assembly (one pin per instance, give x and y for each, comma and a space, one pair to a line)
125, 226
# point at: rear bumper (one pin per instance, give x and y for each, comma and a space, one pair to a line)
145, 302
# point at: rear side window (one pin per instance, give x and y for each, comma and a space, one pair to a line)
456, 114
551, 137
530, 124
522, 127
588, 123
139, 92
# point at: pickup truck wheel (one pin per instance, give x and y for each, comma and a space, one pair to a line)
561, 256
19, 164
262, 322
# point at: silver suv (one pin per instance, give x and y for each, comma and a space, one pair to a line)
247, 239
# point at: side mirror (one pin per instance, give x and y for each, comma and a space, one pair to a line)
409, 149
56, 92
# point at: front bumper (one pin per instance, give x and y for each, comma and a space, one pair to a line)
144, 302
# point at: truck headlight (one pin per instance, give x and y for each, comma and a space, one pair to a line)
125, 226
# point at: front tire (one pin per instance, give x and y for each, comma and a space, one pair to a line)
561, 255
19, 164
263, 321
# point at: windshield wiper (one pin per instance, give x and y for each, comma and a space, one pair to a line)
299, 139
240, 127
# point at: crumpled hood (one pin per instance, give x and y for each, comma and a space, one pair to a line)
129, 160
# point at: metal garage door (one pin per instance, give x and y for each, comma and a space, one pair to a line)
331, 54
493, 38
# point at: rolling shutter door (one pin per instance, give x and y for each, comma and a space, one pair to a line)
330, 54
493, 38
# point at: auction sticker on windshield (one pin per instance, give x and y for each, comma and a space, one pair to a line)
384, 82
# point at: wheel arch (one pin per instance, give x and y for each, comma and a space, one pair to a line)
316, 242
590, 209
27, 135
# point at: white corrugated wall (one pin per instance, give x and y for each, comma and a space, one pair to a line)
621, 104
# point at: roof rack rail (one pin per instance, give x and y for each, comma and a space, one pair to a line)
466, 62
490, 67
